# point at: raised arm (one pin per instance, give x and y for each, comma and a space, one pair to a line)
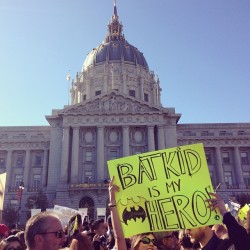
237, 234
117, 226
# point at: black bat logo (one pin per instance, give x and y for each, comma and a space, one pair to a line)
133, 214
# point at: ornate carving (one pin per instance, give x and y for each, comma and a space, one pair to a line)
113, 103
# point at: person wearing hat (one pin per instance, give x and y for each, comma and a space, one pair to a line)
4, 231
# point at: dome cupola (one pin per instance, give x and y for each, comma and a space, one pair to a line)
116, 65
115, 48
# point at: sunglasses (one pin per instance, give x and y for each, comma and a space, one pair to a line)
58, 234
146, 240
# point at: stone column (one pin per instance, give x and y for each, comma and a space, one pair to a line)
237, 168
27, 168
141, 84
219, 167
9, 170
125, 140
88, 95
55, 158
45, 168
105, 86
161, 137
65, 156
100, 153
75, 156
124, 84
151, 139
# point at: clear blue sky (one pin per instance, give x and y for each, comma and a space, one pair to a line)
200, 49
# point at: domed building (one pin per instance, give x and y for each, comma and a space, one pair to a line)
115, 111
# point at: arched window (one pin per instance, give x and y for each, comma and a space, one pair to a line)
87, 202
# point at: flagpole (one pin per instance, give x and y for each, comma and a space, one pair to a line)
68, 79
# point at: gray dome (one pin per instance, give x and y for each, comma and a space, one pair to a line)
115, 51
115, 48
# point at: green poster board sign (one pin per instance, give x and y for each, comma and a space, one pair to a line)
163, 190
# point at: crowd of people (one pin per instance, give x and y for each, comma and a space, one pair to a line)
44, 231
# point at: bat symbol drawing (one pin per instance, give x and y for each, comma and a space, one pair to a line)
133, 214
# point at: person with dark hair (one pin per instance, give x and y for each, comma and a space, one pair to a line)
110, 234
11, 243
99, 239
44, 231
20, 235
85, 227
77, 239
167, 241
185, 242
208, 240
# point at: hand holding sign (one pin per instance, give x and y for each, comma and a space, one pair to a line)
217, 202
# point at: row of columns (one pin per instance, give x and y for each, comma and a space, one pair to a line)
100, 150
10, 181
161, 138
237, 167
101, 157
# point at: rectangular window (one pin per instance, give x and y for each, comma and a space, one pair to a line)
225, 157
209, 158
204, 133
84, 97
88, 176
88, 156
228, 178
37, 181
98, 92
38, 160
14, 203
246, 176
20, 161
2, 162
18, 180
222, 133
244, 158
132, 93
145, 97
138, 150
212, 177
113, 155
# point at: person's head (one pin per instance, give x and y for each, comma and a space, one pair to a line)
44, 231
75, 225
4, 231
200, 234
165, 240
20, 236
99, 227
145, 241
184, 240
11, 243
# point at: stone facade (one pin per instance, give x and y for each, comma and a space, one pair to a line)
115, 111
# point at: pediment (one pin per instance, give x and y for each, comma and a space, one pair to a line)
113, 103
